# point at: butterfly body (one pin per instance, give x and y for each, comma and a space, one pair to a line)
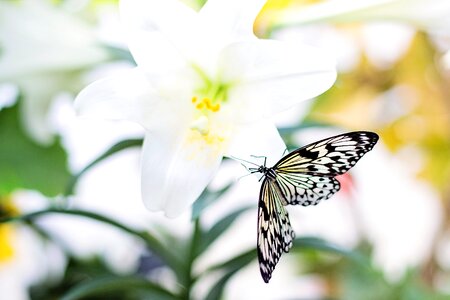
303, 177
267, 172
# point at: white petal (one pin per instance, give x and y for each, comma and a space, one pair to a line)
127, 95
157, 31
273, 76
231, 18
175, 170
257, 139
36, 37
220, 23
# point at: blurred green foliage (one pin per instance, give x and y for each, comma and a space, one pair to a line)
26, 164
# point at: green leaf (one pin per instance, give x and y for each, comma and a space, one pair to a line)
217, 291
122, 145
207, 198
27, 165
152, 242
109, 285
207, 238
322, 245
230, 267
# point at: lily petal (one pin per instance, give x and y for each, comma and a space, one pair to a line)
236, 18
126, 95
257, 139
221, 23
273, 76
175, 170
156, 31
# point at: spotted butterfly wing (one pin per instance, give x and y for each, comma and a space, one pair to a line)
304, 176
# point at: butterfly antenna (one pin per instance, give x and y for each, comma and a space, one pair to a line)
261, 156
247, 168
243, 160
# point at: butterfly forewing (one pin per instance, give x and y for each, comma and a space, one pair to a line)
275, 234
329, 157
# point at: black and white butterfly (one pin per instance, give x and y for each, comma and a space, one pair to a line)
305, 177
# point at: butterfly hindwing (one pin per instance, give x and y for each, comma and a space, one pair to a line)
329, 157
306, 189
275, 234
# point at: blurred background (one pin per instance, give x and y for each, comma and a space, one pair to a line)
73, 223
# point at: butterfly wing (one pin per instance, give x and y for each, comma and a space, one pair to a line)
275, 234
306, 189
306, 175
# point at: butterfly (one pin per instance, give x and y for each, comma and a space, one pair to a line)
304, 177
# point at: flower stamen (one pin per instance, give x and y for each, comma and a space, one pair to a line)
206, 103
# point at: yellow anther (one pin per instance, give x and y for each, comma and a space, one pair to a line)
207, 102
215, 107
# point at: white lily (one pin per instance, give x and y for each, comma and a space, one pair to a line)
423, 14
41, 48
202, 89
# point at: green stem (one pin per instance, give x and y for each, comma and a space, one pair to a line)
151, 241
189, 277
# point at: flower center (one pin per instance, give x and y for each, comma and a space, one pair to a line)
210, 125
213, 94
205, 108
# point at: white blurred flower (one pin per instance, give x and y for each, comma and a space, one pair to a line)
42, 48
203, 85
25, 258
386, 34
426, 15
